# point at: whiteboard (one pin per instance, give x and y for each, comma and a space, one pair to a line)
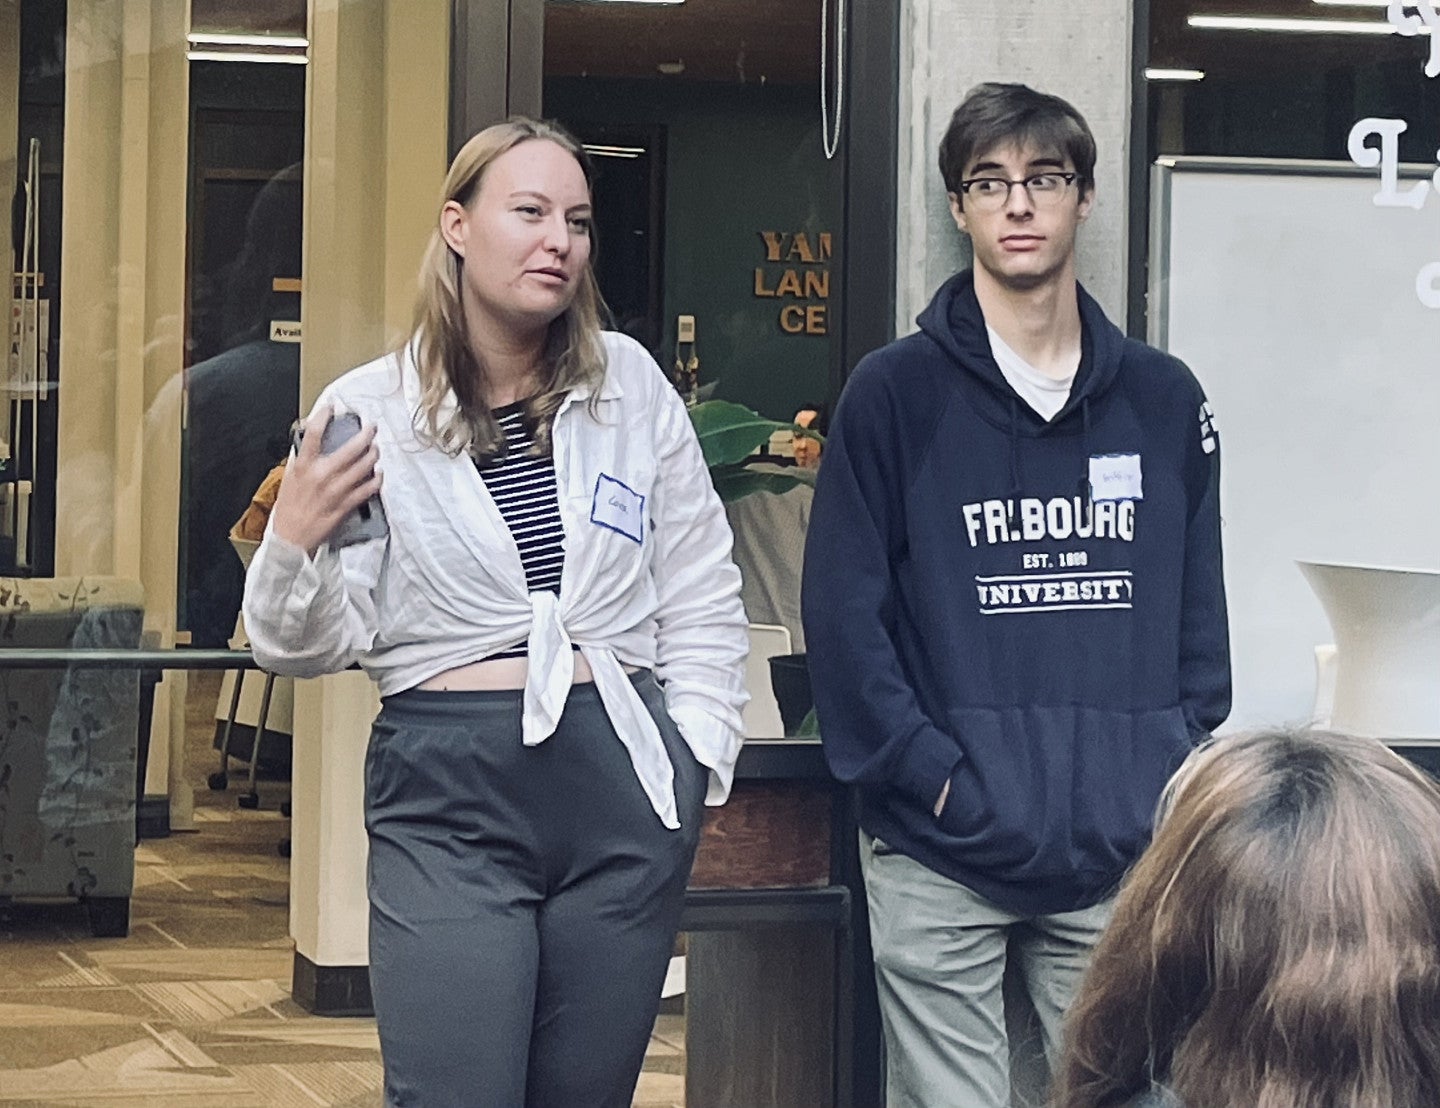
1293, 298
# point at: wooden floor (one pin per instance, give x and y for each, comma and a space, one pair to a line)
193, 1010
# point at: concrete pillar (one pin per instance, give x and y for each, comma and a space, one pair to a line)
1081, 52
376, 122
122, 300
1078, 51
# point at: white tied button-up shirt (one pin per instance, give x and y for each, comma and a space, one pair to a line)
647, 581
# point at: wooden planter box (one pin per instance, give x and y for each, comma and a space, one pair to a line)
769, 834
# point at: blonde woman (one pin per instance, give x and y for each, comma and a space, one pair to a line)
1278, 945
554, 624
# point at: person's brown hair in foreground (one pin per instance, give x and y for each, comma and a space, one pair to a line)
1278, 945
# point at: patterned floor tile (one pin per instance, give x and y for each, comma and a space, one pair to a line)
169, 964
336, 1035
125, 1073
306, 1085
660, 1090
193, 1010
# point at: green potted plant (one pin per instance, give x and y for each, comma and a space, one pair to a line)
729, 435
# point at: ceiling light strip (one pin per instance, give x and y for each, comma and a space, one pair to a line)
207, 38
1293, 26
1157, 74
239, 56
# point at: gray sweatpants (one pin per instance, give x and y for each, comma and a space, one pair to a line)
940, 955
523, 900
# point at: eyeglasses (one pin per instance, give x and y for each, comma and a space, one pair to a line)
990, 194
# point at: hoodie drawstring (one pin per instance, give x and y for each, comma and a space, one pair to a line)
1013, 500
1082, 489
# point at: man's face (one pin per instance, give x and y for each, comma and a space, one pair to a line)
807, 451
1029, 240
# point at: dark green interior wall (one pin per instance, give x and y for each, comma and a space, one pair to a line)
739, 160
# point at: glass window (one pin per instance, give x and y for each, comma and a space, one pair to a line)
161, 166
718, 219
1295, 264
242, 377
219, 207
28, 423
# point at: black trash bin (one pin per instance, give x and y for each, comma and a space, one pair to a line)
790, 678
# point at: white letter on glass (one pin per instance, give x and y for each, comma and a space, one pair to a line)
1388, 159
1427, 285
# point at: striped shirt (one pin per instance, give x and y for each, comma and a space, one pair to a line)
523, 487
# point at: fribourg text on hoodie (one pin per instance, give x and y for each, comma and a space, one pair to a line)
973, 614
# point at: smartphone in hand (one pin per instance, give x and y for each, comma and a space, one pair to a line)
366, 522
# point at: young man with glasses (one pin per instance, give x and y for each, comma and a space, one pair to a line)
1014, 608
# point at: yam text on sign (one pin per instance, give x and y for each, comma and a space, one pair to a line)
805, 278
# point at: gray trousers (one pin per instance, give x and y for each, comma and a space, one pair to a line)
940, 960
523, 900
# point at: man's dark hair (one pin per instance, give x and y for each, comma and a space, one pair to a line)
994, 115
822, 417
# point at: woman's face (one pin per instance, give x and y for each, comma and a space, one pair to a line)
524, 239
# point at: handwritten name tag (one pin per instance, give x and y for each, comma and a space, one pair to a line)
618, 508
1115, 477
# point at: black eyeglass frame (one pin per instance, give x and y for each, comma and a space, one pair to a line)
1070, 177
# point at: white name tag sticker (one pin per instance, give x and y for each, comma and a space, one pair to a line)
1115, 477
619, 508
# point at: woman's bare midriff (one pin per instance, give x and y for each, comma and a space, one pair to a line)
498, 674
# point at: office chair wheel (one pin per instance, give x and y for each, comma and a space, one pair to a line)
218, 782
249, 801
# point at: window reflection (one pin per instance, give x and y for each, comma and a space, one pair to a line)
717, 217
1317, 263
242, 384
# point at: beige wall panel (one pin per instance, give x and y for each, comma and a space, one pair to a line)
345, 157
416, 111
376, 125
90, 260
126, 145
157, 527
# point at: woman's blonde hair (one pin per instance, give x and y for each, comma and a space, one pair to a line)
1278, 945
574, 353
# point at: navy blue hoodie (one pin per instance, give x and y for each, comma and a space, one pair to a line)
972, 615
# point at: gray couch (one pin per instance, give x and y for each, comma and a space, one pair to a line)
68, 747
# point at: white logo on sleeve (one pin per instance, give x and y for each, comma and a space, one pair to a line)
1208, 433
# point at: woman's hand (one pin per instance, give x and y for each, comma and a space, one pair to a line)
319, 490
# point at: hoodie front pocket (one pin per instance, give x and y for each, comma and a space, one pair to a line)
994, 813
1122, 763
1050, 790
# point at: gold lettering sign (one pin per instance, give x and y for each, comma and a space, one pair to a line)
804, 276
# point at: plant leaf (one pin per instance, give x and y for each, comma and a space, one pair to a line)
736, 481
728, 432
